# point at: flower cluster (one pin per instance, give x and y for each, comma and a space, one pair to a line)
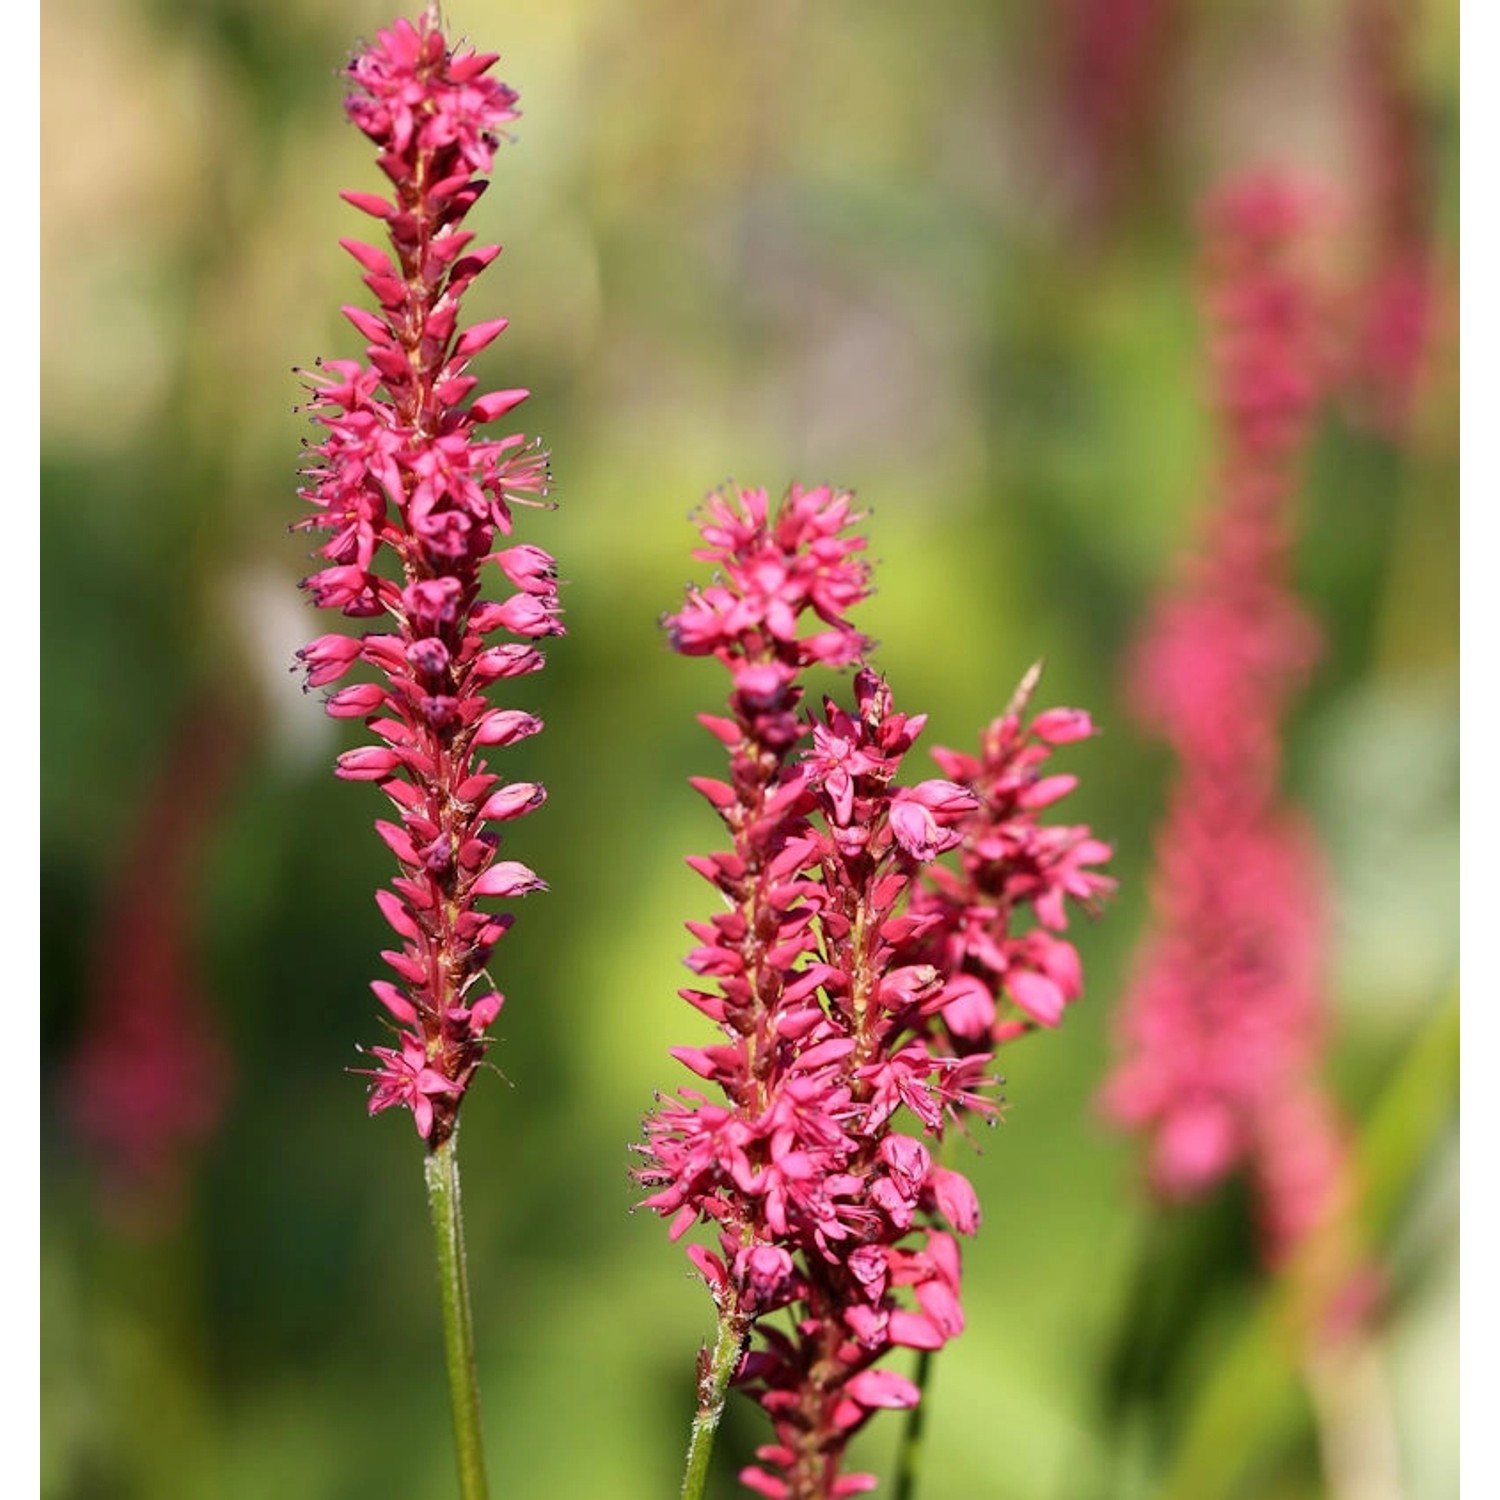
148, 1085
1222, 1031
402, 472
828, 995
1004, 979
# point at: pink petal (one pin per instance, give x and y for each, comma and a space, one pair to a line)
508, 877
883, 1388
956, 1199
1037, 995
969, 1009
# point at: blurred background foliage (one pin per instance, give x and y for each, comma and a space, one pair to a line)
902, 248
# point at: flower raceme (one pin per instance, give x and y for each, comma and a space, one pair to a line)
1222, 1033
1003, 979
826, 975
403, 473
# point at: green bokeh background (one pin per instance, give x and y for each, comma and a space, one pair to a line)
827, 241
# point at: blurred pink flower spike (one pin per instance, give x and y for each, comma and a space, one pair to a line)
1114, 83
1221, 1036
150, 1080
403, 470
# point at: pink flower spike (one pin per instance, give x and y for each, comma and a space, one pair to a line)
411, 500
851, 974
1221, 1035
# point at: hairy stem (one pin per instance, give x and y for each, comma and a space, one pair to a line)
714, 1375
458, 1322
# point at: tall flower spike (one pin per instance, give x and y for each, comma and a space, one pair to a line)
824, 984
1221, 1036
403, 472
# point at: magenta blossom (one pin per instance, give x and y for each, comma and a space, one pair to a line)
993, 923
823, 983
404, 472
1222, 1033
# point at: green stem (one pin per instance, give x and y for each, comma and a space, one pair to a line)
909, 1460
458, 1322
714, 1375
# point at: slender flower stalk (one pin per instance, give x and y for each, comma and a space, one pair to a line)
826, 1202
1222, 1035
446, 1207
413, 498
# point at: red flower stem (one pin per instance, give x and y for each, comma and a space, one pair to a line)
714, 1375
458, 1321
